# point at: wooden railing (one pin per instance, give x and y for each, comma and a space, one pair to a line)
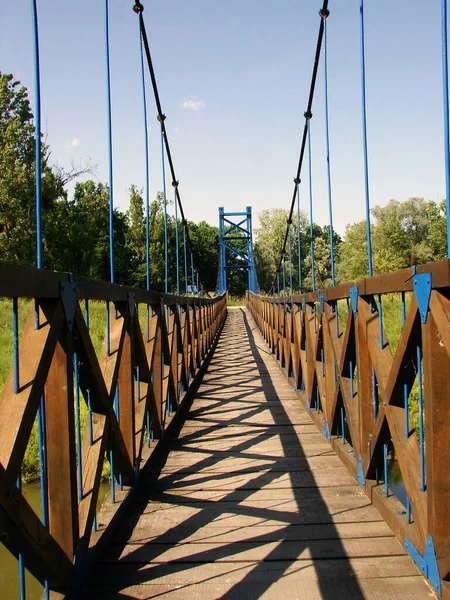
153, 347
333, 347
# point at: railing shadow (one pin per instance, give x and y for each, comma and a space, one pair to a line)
231, 512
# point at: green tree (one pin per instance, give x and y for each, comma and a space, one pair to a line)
403, 234
17, 180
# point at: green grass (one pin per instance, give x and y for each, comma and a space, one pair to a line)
236, 301
97, 322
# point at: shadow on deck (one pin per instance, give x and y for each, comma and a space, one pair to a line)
251, 502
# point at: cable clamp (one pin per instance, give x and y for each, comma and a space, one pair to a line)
307, 115
297, 181
138, 7
175, 184
324, 13
184, 222
289, 221
161, 118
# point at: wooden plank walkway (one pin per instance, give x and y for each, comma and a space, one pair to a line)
252, 502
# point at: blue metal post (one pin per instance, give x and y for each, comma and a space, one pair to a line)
446, 117
291, 291
298, 241
16, 344
364, 127
110, 150
327, 130
147, 175
177, 250
185, 261
311, 238
78, 427
37, 117
166, 246
421, 424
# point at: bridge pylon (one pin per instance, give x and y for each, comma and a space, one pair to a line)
236, 246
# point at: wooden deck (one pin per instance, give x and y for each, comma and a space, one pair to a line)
252, 502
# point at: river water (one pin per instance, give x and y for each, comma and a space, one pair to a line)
9, 567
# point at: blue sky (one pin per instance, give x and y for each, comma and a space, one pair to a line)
234, 79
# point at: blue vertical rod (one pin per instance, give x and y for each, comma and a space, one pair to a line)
364, 127
148, 428
351, 379
23, 592
446, 116
192, 272
177, 250
380, 321
278, 284
147, 174
406, 407
113, 483
311, 238
343, 424
299, 241
91, 429
22, 581
185, 261
86, 313
283, 264
166, 242
110, 149
108, 331
405, 385
37, 117
291, 291
421, 429
138, 382
386, 474
42, 460
16, 344
327, 131
374, 394
78, 426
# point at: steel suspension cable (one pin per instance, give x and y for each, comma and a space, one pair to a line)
364, 127
327, 134
308, 116
138, 9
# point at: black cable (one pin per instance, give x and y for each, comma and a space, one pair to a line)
323, 13
138, 8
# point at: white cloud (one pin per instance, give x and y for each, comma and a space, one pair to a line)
194, 103
74, 143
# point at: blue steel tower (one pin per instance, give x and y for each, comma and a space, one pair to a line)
236, 247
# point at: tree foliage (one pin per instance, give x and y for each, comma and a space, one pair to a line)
402, 234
